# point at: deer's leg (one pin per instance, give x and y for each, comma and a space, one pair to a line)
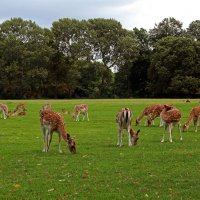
129, 138
46, 139
179, 127
165, 128
4, 115
161, 122
195, 124
87, 116
59, 143
170, 132
119, 137
49, 139
77, 116
43, 130
83, 117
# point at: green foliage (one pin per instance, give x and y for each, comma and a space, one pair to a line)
97, 58
100, 169
174, 57
167, 27
194, 30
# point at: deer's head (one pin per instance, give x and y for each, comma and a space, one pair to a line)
134, 136
185, 127
71, 143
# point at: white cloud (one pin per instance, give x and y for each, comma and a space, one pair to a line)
131, 13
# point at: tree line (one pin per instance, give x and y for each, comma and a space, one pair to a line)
98, 58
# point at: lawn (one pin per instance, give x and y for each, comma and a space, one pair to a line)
100, 169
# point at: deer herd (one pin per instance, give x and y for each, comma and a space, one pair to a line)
52, 121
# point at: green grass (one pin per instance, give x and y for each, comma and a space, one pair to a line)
100, 169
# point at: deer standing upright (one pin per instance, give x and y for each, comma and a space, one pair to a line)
170, 116
80, 109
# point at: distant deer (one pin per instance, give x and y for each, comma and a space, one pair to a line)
46, 106
170, 116
151, 112
80, 109
20, 107
52, 121
124, 120
4, 110
194, 115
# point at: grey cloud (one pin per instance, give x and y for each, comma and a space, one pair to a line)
45, 12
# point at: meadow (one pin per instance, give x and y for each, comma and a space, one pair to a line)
99, 169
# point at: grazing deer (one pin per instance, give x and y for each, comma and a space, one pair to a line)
151, 112
194, 115
19, 107
52, 121
154, 114
170, 116
4, 110
17, 113
134, 136
46, 106
124, 120
80, 109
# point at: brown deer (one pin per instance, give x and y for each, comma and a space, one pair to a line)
46, 106
20, 107
124, 120
4, 110
134, 136
151, 112
170, 116
194, 115
80, 109
52, 121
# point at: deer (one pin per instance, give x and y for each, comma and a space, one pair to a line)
52, 121
4, 110
170, 116
19, 107
19, 110
154, 114
124, 120
46, 106
80, 109
194, 115
151, 112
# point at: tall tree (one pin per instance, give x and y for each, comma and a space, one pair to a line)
110, 43
194, 30
167, 27
138, 71
174, 58
24, 47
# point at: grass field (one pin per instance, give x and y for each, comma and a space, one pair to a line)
100, 169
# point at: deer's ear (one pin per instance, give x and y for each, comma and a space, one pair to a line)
138, 132
68, 135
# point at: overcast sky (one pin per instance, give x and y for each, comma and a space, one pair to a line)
131, 13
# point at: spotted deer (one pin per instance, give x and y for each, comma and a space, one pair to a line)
20, 108
52, 121
80, 109
170, 116
46, 106
157, 109
151, 112
124, 120
194, 116
4, 110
